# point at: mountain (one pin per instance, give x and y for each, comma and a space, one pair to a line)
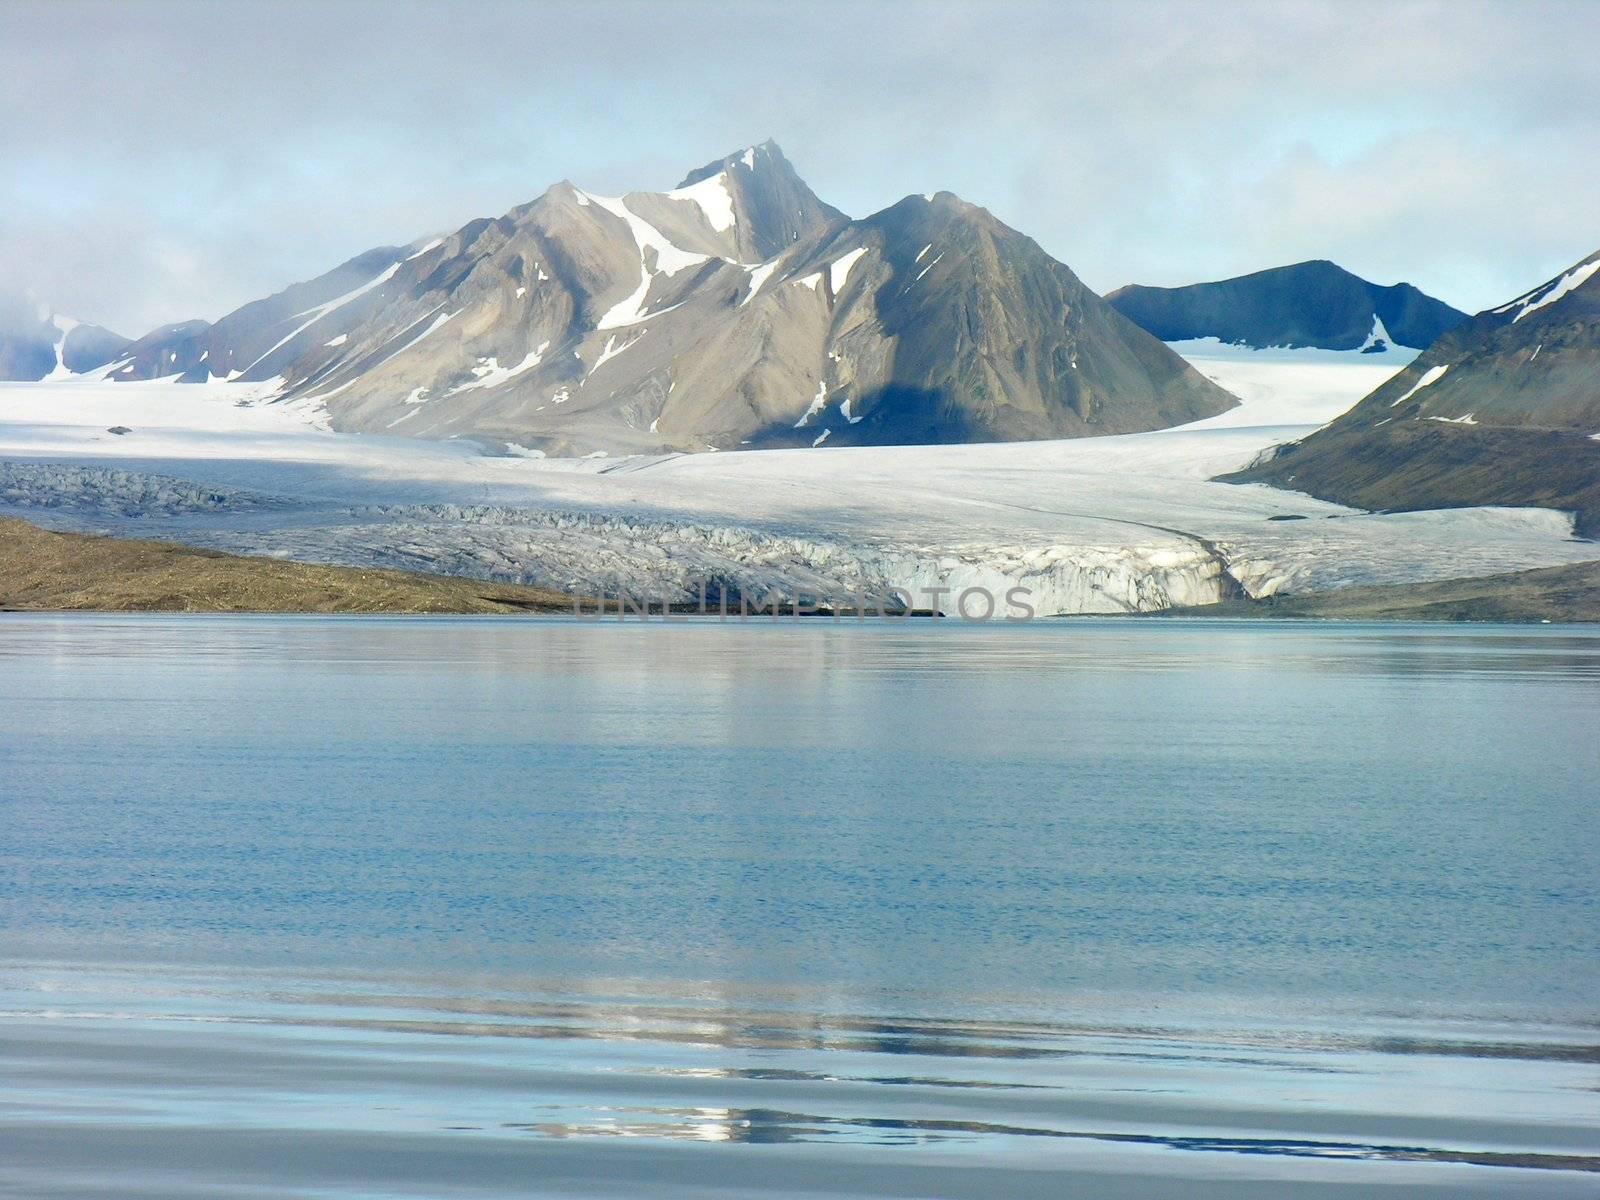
1501, 410
735, 310
253, 341
1308, 304
36, 343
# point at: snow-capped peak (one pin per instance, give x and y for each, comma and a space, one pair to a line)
1552, 291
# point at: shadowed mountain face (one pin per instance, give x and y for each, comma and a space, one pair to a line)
1308, 304
1500, 410
735, 310
35, 343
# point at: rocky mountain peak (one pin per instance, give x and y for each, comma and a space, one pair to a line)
757, 197
734, 310
764, 158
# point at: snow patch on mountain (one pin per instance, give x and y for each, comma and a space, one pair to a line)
817, 403
612, 349
491, 374
839, 270
1429, 377
1549, 293
758, 276
63, 326
713, 198
1378, 339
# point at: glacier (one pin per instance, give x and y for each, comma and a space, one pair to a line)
1129, 523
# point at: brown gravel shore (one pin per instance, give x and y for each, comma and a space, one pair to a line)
45, 571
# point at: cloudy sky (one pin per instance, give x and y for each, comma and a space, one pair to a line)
165, 160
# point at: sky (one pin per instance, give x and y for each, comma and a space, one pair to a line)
162, 160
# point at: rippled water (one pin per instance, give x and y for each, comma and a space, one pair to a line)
387, 907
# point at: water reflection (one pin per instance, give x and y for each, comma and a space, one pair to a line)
766, 1126
419, 891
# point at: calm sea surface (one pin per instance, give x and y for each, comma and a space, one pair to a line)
321, 907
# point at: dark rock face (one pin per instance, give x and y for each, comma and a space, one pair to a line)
1308, 304
1500, 410
736, 310
171, 350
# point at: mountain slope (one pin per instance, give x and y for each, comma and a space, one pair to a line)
737, 309
264, 337
1310, 304
951, 326
1501, 410
36, 343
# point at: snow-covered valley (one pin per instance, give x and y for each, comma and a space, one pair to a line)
1113, 524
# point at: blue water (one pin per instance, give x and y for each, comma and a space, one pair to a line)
523, 907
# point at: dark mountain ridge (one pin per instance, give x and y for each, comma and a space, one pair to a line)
1309, 304
1500, 410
